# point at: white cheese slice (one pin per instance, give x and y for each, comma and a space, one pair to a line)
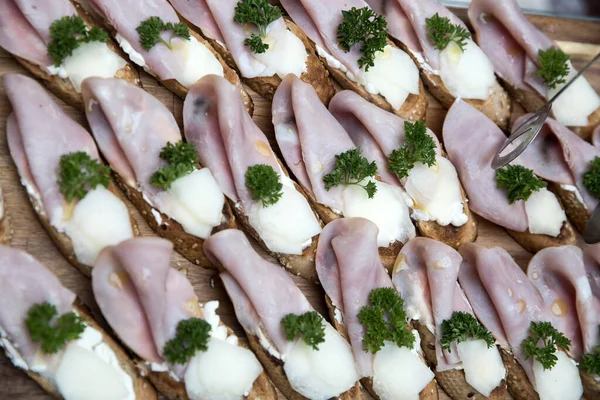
562, 382
89, 59
544, 213
574, 106
223, 372
288, 225
130, 51
286, 54
436, 194
196, 61
468, 74
324, 373
12, 352
100, 219
483, 366
195, 201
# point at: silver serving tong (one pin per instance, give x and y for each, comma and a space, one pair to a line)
529, 129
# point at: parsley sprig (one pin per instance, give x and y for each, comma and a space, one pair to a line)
67, 34
418, 147
591, 178
519, 182
79, 173
554, 67
551, 339
351, 168
591, 362
261, 14
181, 160
53, 333
151, 28
462, 326
264, 183
385, 319
191, 335
364, 26
308, 325
441, 32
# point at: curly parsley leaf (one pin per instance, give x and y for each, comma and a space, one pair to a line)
519, 182
591, 178
418, 147
351, 168
259, 13
462, 326
554, 67
264, 183
385, 319
67, 34
151, 28
308, 325
441, 32
591, 362
181, 160
364, 26
53, 333
79, 173
191, 335
551, 339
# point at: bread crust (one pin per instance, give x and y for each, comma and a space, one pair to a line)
519, 386
591, 385
576, 211
535, 242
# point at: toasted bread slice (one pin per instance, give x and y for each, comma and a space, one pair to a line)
591, 385
189, 246
577, 212
63, 88
519, 386
535, 242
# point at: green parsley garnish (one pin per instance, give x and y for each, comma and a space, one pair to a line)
591, 179
150, 30
554, 67
519, 182
462, 326
261, 14
181, 160
591, 362
351, 168
264, 183
550, 338
385, 319
67, 34
191, 335
418, 147
441, 32
79, 173
52, 332
308, 325
363, 26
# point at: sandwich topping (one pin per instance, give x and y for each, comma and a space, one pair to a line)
260, 14
591, 362
554, 67
591, 178
309, 326
264, 183
363, 26
191, 335
79, 173
53, 333
418, 147
442, 32
351, 168
181, 160
552, 342
150, 31
461, 327
67, 34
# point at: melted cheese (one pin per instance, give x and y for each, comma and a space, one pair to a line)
544, 213
483, 366
89, 59
130, 51
559, 383
436, 194
286, 54
574, 106
468, 74
196, 61
287, 226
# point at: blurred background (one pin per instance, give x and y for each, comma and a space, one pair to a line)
565, 8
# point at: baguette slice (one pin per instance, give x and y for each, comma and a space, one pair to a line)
519, 386
591, 385
536, 242
577, 212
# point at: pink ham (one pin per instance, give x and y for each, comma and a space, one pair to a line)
261, 284
472, 140
38, 134
349, 269
426, 275
591, 258
199, 13
560, 276
24, 282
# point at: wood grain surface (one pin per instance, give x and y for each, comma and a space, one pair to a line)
578, 38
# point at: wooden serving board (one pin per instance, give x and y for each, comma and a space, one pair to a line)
580, 39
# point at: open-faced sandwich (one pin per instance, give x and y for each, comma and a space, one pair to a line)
303, 354
337, 179
409, 155
353, 43
158, 172
254, 38
451, 64
467, 361
48, 334
590, 364
182, 345
266, 202
531, 65
365, 307
150, 32
60, 44
512, 197
69, 188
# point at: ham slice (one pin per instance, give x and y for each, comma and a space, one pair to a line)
591, 258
